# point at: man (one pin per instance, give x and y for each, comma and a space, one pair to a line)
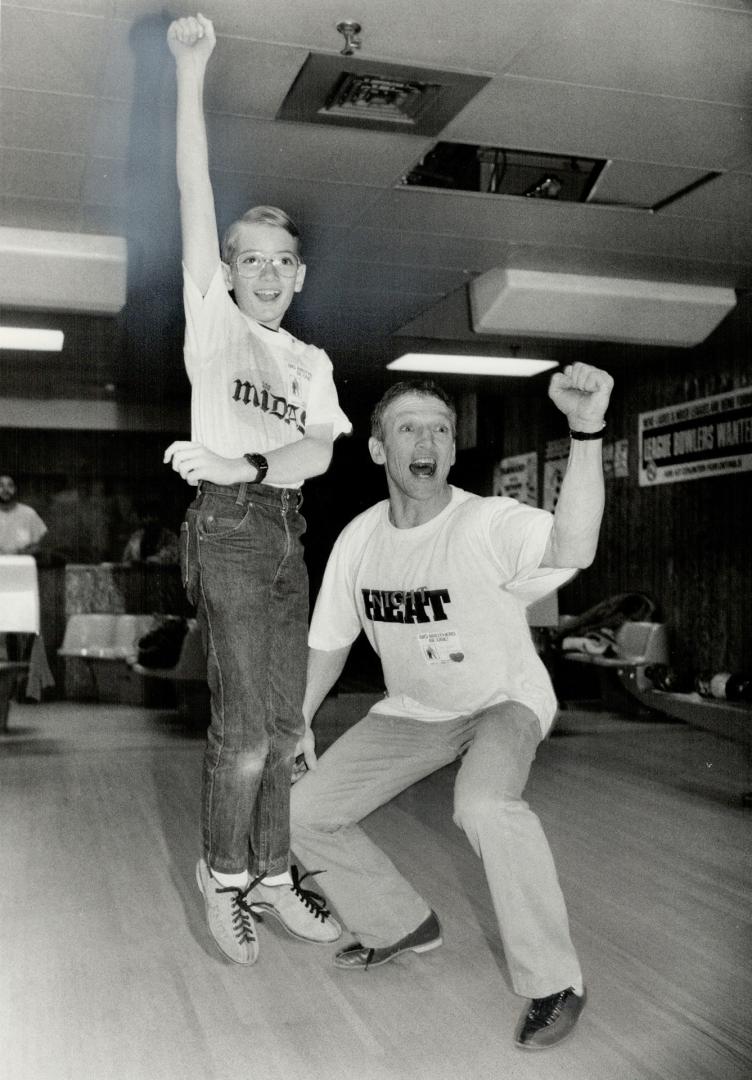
264, 418
21, 528
439, 579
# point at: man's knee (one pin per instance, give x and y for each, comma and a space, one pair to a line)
475, 810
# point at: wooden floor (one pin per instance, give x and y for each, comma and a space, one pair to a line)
107, 971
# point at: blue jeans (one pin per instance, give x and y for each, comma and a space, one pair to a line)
243, 568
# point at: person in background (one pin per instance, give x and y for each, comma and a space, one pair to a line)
439, 579
21, 528
264, 417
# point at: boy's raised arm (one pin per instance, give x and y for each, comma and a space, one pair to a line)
191, 41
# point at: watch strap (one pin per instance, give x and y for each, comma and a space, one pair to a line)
587, 434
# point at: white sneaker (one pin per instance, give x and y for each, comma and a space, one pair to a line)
229, 916
303, 913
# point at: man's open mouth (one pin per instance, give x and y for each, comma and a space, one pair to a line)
267, 295
423, 467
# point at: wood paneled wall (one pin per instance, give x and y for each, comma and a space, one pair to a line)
686, 544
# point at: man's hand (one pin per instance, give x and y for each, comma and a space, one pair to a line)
307, 748
192, 37
582, 393
194, 462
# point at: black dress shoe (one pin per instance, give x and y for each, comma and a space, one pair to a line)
358, 957
548, 1020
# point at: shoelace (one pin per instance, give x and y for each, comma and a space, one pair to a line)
544, 1011
315, 903
242, 919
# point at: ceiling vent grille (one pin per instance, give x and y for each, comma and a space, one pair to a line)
377, 96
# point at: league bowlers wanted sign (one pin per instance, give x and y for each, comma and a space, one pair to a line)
708, 437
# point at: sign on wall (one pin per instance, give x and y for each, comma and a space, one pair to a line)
517, 477
554, 467
708, 437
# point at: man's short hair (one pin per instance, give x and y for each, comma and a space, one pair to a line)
424, 387
258, 215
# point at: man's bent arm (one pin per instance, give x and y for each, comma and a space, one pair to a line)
579, 511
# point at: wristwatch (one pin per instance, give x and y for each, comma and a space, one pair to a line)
259, 463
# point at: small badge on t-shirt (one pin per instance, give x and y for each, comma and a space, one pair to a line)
441, 647
299, 379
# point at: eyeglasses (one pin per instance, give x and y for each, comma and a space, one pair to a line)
251, 263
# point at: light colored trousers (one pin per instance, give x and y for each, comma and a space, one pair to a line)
381, 756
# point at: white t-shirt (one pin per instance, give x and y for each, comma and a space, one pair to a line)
19, 527
443, 605
253, 389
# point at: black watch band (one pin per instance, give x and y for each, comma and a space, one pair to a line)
587, 434
259, 463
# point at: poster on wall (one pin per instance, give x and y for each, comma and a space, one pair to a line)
554, 467
708, 437
621, 458
517, 477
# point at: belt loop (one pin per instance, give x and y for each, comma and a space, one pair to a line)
285, 500
241, 494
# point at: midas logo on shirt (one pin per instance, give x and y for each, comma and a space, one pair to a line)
411, 606
273, 404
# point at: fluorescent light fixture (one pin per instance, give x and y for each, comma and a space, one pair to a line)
57, 271
470, 365
30, 339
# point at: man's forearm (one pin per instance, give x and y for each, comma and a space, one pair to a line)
324, 668
579, 509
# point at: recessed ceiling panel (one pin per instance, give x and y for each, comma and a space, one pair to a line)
498, 170
377, 96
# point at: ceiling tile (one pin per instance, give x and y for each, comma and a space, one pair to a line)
552, 117
651, 47
504, 218
307, 202
34, 174
344, 155
249, 78
483, 35
726, 198
101, 8
51, 51
105, 182
42, 121
640, 183
24, 213
432, 249
111, 129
